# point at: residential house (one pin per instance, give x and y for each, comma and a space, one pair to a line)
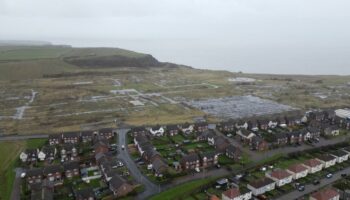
263, 124
273, 123
208, 159
29, 155
34, 175
245, 135
227, 127
107, 133
85, 194
87, 136
341, 155
70, 137
201, 126
190, 161
157, 130
236, 194
159, 167
242, 125
139, 139
187, 128
71, 169
325, 194
253, 125
53, 173
293, 120
282, 122
135, 131
101, 146
327, 160
298, 171
150, 155
295, 137
172, 130
280, 139
55, 139
347, 150
313, 165
259, 144
119, 186
47, 153
233, 152
280, 176
68, 152
261, 186
314, 132
332, 130
207, 135
220, 144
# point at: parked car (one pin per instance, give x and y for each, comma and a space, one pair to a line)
301, 188
123, 147
330, 175
316, 182
344, 175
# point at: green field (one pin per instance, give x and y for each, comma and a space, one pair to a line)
9, 152
181, 191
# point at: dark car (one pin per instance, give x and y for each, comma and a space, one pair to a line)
301, 188
316, 182
344, 175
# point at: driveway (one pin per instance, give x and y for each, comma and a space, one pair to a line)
150, 187
311, 188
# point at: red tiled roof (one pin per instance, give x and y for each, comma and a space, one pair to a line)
312, 163
280, 174
325, 194
232, 193
297, 168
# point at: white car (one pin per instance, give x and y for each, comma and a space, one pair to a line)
123, 147
197, 169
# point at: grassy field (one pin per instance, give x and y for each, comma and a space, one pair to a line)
9, 152
181, 191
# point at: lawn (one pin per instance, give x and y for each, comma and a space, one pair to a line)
8, 155
181, 191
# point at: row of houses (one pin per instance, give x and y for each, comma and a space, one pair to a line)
107, 163
150, 155
66, 152
77, 137
281, 177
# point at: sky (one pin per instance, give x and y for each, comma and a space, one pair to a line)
255, 36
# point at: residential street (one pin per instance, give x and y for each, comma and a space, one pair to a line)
150, 187
22, 137
311, 188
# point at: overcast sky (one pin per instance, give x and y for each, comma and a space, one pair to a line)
265, 36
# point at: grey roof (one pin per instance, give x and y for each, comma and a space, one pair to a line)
87, 133
231, 148
190, 158
55, 136
116, 181
340, 153
172, 127
326, 157
71, 165
261, 182
34, 172
48, 149
52, 169
42, 194
70, 134
85, 193
158, 164
211, 154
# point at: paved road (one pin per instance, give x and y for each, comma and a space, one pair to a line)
16, 189
22, 137
311, 188
150, 187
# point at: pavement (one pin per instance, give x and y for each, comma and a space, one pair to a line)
150, 187
311, 188
16, 189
